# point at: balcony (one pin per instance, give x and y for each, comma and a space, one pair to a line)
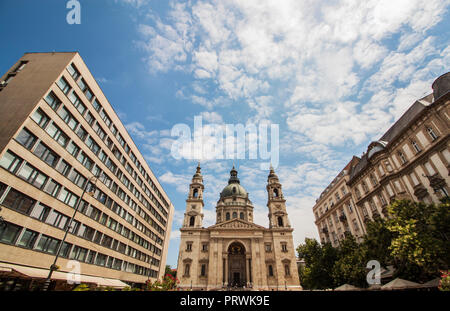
343, 218
420, 191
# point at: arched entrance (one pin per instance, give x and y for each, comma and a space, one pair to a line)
236, 265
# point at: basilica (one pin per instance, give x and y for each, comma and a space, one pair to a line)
235, 252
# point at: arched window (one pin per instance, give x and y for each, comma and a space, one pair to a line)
186, 269
227, 216
234, 215
192, 221
287, 270
195, 194
275, 193
234, 189
241, 215
270, 270
280, 221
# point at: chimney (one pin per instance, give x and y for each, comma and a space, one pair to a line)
441, 85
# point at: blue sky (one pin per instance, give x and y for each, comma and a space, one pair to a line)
333, 74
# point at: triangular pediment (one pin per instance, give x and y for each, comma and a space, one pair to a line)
236, 224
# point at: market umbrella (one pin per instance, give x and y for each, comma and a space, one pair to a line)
400, 284
432, 283
346, 287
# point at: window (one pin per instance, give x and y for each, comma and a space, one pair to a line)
416, 146
89, 118
65, 250
40, 211
234, 215
388, 166
63, 167
280, 221
58, 135
57, 219
349, 207
93, 212
77, 178
338, 197
186, 269
373, 180
11, 162
203, 270
414, 179
26, 139
90, 142
270, 270
382, 200
52, 188
47, 244
204, 247
380, 168
86, 232
189, 246
430, 169
9, 233
191, 221
68, 118
68, 197
107, 120
107, 241
96, 105
18, 201
364, 186
21, 66
78, 253
284, 247
287, 270
73, 149
53, 101
40, 118
46, 154
32, 175
85, 160
77, 103
28, 238
432, 133
241, 215
63, 85
91, 257
268, 247
73, 71
402, 157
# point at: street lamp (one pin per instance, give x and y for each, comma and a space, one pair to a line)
53, 267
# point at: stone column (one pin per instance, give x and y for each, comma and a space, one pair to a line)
226, 270
247, 270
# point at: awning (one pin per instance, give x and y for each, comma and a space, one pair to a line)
39, 273
400, 284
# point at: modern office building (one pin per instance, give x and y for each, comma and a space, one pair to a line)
410, 161
60, 139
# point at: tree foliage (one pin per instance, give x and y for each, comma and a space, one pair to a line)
415, 239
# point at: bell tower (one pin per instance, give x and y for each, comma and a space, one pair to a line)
193, 217
278, 217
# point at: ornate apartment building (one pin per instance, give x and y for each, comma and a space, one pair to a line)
410, 161
57, 132
235, 251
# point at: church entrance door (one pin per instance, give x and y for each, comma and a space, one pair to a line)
236, 265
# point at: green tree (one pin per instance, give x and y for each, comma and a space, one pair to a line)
319, 261
420, 245
350, 266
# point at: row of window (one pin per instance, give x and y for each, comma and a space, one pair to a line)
12, 162
64, 85
22, 203
56, 104
27, 139
23, 237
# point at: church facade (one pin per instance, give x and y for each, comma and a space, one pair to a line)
235, 252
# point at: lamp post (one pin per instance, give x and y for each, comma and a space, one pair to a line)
53, 267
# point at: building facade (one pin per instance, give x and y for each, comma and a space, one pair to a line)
410, 161
235, 252
335, 210
59, 139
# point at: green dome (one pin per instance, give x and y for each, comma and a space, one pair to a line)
233, 189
